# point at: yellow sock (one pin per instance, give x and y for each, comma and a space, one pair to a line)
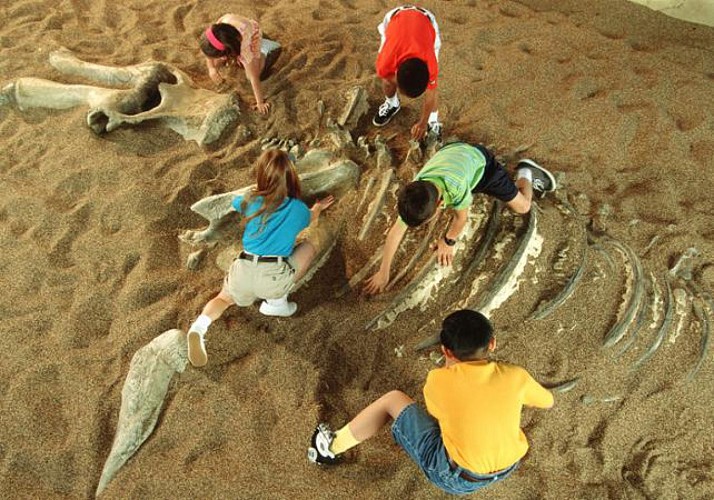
344, 440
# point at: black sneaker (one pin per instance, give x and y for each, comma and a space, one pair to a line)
543, 181
319, 450
385, 113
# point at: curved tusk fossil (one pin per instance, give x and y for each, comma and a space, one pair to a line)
704, 320
562, 387
650, 284
544, 309
663, 329
362, 273
142, 397
423, 246
494, 221
635, 303
376, 205
507, 281
413, 285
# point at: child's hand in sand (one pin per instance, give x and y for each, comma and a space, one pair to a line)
215, 76
262, 107
377, 283
418, 131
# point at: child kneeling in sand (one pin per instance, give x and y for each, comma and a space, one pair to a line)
270, 263
471, 436
239, 40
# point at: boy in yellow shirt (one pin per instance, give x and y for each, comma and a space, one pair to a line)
471, 436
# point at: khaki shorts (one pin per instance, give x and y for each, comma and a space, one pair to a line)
248, 281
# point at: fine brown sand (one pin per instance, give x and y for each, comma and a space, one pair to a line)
612, 95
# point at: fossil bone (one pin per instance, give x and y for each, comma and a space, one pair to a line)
377, 202
157, 91
635, 288
507, 281
150, 372
356, 107
335, 178
663, 329
683, 266
704, 344
544, 309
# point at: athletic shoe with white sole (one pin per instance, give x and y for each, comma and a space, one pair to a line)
278, 307
319, 450
385, 113
197, 348
543, 180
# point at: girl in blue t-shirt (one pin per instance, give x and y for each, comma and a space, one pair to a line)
270, 263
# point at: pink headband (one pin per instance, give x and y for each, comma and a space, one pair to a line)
215, 42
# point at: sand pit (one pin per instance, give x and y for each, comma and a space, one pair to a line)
613, 96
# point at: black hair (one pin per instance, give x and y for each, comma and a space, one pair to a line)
413, 77
228, 35
466, 333
417, 202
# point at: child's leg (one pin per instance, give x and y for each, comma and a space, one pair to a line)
215, 307
302, 257
196, 333
370, 420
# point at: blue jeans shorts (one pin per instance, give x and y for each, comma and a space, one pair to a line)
419, 434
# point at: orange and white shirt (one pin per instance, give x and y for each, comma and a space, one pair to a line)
408, 32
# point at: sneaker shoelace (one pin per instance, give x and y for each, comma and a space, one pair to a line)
385, 108
538, 184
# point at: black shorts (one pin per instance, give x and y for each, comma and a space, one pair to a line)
495, 181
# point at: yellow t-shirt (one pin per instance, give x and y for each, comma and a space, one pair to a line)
478, 406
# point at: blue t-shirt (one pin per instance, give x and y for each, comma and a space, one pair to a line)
277, 235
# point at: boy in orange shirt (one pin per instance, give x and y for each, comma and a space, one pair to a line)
408, 61
471, 436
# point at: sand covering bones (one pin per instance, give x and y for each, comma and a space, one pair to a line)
611, 94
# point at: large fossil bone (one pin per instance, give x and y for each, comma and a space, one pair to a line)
150, 372
157, 91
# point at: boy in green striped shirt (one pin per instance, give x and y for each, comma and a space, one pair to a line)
449, 180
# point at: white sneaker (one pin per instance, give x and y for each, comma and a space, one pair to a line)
278, 307
197, 348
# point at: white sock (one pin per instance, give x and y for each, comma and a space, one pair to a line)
433, 117
524, 173
394, 100
201, 324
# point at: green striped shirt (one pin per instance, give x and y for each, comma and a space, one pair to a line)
455, 170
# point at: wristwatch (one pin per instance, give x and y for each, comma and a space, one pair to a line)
449, 241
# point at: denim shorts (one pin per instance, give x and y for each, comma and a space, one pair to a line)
419, 434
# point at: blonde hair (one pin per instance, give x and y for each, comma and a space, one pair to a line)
276, 179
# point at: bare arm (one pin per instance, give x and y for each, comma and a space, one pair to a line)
444, 252
379, 280
431, 101
212, 64
252, 71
